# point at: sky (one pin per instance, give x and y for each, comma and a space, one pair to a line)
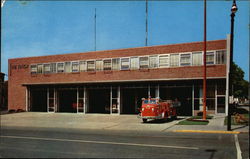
37, 28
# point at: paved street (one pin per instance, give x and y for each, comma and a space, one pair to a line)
32, 134
54, 142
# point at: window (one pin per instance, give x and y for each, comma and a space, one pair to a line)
197, 58
134, 63
75, 66
107, 64
90, 66
116, 64
46, 68
83, 66
144, 62
163, 60
53, 67
67, 67
185, 59
60, 67
153, 61
174, 60
125, 64
221, 57
40, 68
33, 69
99, 65
210, 58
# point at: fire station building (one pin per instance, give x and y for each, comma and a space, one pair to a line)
115, 81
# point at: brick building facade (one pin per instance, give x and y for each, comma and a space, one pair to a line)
114, 81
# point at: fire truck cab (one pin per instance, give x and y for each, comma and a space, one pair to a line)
155, 108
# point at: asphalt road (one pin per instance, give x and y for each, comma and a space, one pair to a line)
72, 143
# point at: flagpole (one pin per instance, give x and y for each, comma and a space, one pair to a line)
204, 63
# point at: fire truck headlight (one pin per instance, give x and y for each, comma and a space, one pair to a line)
142, 109
153, 109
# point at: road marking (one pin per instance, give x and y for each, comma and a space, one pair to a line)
237, 144
207, 131
100, 142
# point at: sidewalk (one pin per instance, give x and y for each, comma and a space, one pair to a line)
215, 124
108, 122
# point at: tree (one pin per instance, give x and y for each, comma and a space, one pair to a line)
240, 86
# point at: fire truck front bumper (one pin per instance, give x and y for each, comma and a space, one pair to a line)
149, 117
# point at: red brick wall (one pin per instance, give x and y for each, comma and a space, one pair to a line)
17, 77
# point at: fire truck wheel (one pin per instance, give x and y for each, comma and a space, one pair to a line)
144, 120
174, 117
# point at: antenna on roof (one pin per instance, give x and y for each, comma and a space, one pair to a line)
146, 40
95, 28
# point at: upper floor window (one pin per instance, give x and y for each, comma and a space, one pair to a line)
116, 64
107, 64
83, 66
174, 60
210, 58
144, 62
153, 61
90, 66
185, 59
99, 65
221, 57
125, 64
53, 67
197, 58
75, 66
134, 63
33, 69
46, 68
40, 68
163, 60
67, 67
60, 67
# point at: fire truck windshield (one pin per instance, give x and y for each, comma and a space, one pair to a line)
150, 101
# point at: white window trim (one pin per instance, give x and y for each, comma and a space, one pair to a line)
44, 68
159, 60
102, 64
111, 63
72, 66
128, 62
192, 64
51, 67
57, 67
214, 56
87, 65
69, 66
140, 62
191, 59
119, 66
30, 68
170, 60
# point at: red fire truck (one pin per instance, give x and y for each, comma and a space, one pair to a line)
155, 108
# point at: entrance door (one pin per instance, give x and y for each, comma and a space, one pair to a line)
51, 96
115, 100
220, 104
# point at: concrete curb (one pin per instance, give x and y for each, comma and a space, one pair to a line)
208, 131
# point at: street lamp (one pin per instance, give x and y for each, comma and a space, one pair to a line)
233, 11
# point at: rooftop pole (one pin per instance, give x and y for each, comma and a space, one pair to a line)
95, 28
204, 63
146, 40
